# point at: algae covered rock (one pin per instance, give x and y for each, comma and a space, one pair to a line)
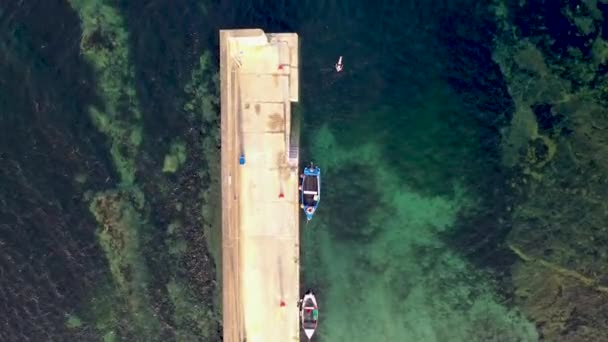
559, 146
175, 158
118, 214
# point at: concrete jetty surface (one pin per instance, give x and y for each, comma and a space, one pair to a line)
260, 218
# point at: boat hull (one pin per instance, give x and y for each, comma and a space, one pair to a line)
309, 314
310, 190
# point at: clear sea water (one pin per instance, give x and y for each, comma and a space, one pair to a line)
407, 244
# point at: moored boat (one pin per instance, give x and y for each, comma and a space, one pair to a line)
310, 190
309, 313
339, 65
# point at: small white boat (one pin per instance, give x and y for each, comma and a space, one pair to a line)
309, 313
339, 65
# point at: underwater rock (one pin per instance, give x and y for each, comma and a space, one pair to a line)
558, 220
554, 302
117, 212
175, 158
544, 116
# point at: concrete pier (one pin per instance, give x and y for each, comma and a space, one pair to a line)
260, 218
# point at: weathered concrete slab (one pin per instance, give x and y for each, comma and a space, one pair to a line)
260, 228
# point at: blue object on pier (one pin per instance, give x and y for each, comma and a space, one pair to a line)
242, 160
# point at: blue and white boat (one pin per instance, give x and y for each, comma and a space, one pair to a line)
310, 190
